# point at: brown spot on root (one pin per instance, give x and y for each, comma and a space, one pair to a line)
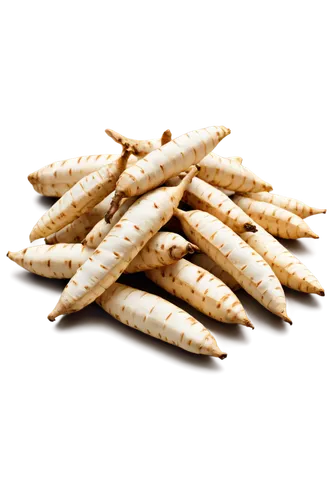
251, 228
223, 356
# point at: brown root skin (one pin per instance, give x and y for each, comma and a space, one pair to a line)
250, 228
50, 318
114, 206
166, 137
321, 292
223, 356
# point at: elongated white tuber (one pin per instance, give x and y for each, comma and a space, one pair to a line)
139, 148
294, 206
202, 260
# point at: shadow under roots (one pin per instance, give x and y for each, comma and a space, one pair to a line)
307, 299
297, 247
45, 202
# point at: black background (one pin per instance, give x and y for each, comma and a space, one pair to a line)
266, 144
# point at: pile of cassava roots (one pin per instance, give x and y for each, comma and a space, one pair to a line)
120, 213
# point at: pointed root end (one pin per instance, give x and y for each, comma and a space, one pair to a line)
223, 355
166, 137
320, 292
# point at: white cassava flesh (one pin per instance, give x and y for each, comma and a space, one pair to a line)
202, 196
230, 252
297, 207
80, 227
202, 260
70, 170
52, 190
59, 261
163, 249
229, 173
202, 290
167, 161
159, 318
81, 198
277, 221
225, 191
62, 260
290, 270
125, 240
102, 228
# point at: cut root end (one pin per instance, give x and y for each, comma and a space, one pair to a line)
223, 355
192, 248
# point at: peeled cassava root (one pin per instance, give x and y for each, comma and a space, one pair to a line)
290, 270
202, 260
68, 171
159, 318
163, 249
100, 230
230, 252
202, 290
229, 173
125, 240
75, 231
166, 162
62, 260
277, 221
81, 198
201, 195
294, 206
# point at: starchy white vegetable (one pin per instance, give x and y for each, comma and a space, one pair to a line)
139, 148
52, 261
81, 198
277, 221
159, 318
161, 250
229, 173
166, 162
202, 290
52, 190
290, 270
297, 207
230, 252
80, 227
201, 195
97, 233
125, 240
202, 260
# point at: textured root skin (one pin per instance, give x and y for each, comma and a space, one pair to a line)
114, 206
250, 228
138, 148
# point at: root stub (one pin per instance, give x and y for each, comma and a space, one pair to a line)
223, 356
114, 206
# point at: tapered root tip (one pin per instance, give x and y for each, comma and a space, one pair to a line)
251, 228
321, 292
223, 355
51, 316
287, 320
248, 323
226, 130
